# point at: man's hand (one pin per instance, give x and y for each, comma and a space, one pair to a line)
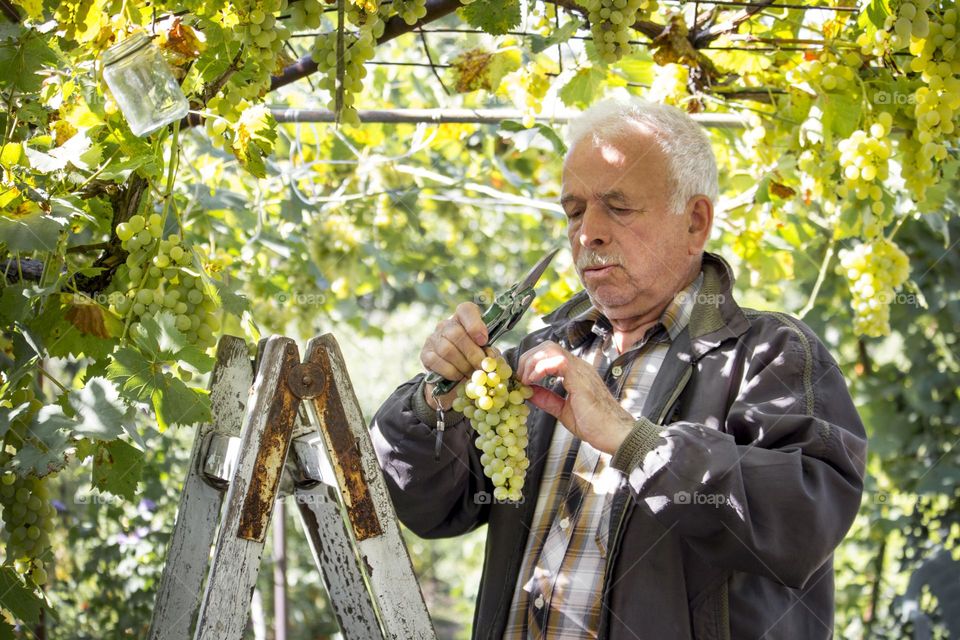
454, 350
589, 411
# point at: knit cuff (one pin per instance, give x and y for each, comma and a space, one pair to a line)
427, 414
639, 442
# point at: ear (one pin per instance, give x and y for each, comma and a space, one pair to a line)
700, 221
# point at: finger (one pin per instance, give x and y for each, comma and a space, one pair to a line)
544, 365
453, 332
470, 318
452, 354
433, 362
547, 400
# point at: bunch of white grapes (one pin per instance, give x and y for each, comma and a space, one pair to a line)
493, 401
611, 22
875, 269
27, 523
410, 10
160, 278
306, 14
864, 162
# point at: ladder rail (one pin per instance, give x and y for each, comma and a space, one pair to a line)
181, 585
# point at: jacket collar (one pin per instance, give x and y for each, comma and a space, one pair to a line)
716, 316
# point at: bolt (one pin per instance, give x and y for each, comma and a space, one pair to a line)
306, 381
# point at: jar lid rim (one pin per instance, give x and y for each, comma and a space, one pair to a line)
133, 42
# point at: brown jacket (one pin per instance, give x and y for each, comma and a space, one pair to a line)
745, 472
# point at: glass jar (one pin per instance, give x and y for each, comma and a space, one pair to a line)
143, 84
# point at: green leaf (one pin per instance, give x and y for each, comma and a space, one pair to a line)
117, 467
49, 439
63, 338
540, 43
34, 230
876, 14
841, 113
101, 413
176, 403
161, 341
496, 17
583, 88
135, 375
23, 59
20, 601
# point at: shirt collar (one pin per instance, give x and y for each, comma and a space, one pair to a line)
588, 320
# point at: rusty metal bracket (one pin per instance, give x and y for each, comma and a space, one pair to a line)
306, 380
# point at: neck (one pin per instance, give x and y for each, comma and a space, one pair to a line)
628, 331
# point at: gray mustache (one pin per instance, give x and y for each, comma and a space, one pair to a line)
589, 259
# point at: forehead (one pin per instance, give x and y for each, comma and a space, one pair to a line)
625, 162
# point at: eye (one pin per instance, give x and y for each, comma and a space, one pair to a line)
618, 210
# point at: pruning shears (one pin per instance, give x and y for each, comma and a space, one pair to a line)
501, 316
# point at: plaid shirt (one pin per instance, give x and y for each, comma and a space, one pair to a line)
558, 593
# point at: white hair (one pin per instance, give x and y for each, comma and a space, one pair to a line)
693, 167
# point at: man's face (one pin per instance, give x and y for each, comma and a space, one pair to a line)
632, 252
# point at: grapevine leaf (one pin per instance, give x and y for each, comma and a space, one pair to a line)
62, 337
232, 302
841, 112
161, 341
34, 8
22, 61
8, 416
569, 29
876, 13
496, 17
47, 444
253, 137
117, 467
13, 304
478, 68
20, 601
136, 376
102, 414
176, 403
30, 229
583, 87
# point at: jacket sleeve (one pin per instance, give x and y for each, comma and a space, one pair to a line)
772, 487
434, 499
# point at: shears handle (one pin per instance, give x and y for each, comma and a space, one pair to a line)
494, 317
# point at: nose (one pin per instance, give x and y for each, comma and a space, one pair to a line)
594, 227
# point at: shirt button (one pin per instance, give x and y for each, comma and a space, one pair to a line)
538, 603
564, 523
617, 371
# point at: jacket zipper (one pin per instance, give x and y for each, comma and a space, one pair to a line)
614, 544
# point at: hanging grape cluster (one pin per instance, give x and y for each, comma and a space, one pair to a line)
493, 401
160, 276
874, 270
611, 22
27, 512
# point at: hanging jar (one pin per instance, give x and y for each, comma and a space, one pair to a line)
143, 85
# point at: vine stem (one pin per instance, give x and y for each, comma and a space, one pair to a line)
820, 278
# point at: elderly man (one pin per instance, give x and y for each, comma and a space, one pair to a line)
693, 464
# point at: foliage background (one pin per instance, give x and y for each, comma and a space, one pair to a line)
375, 232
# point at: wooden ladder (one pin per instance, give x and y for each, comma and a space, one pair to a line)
281, 426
